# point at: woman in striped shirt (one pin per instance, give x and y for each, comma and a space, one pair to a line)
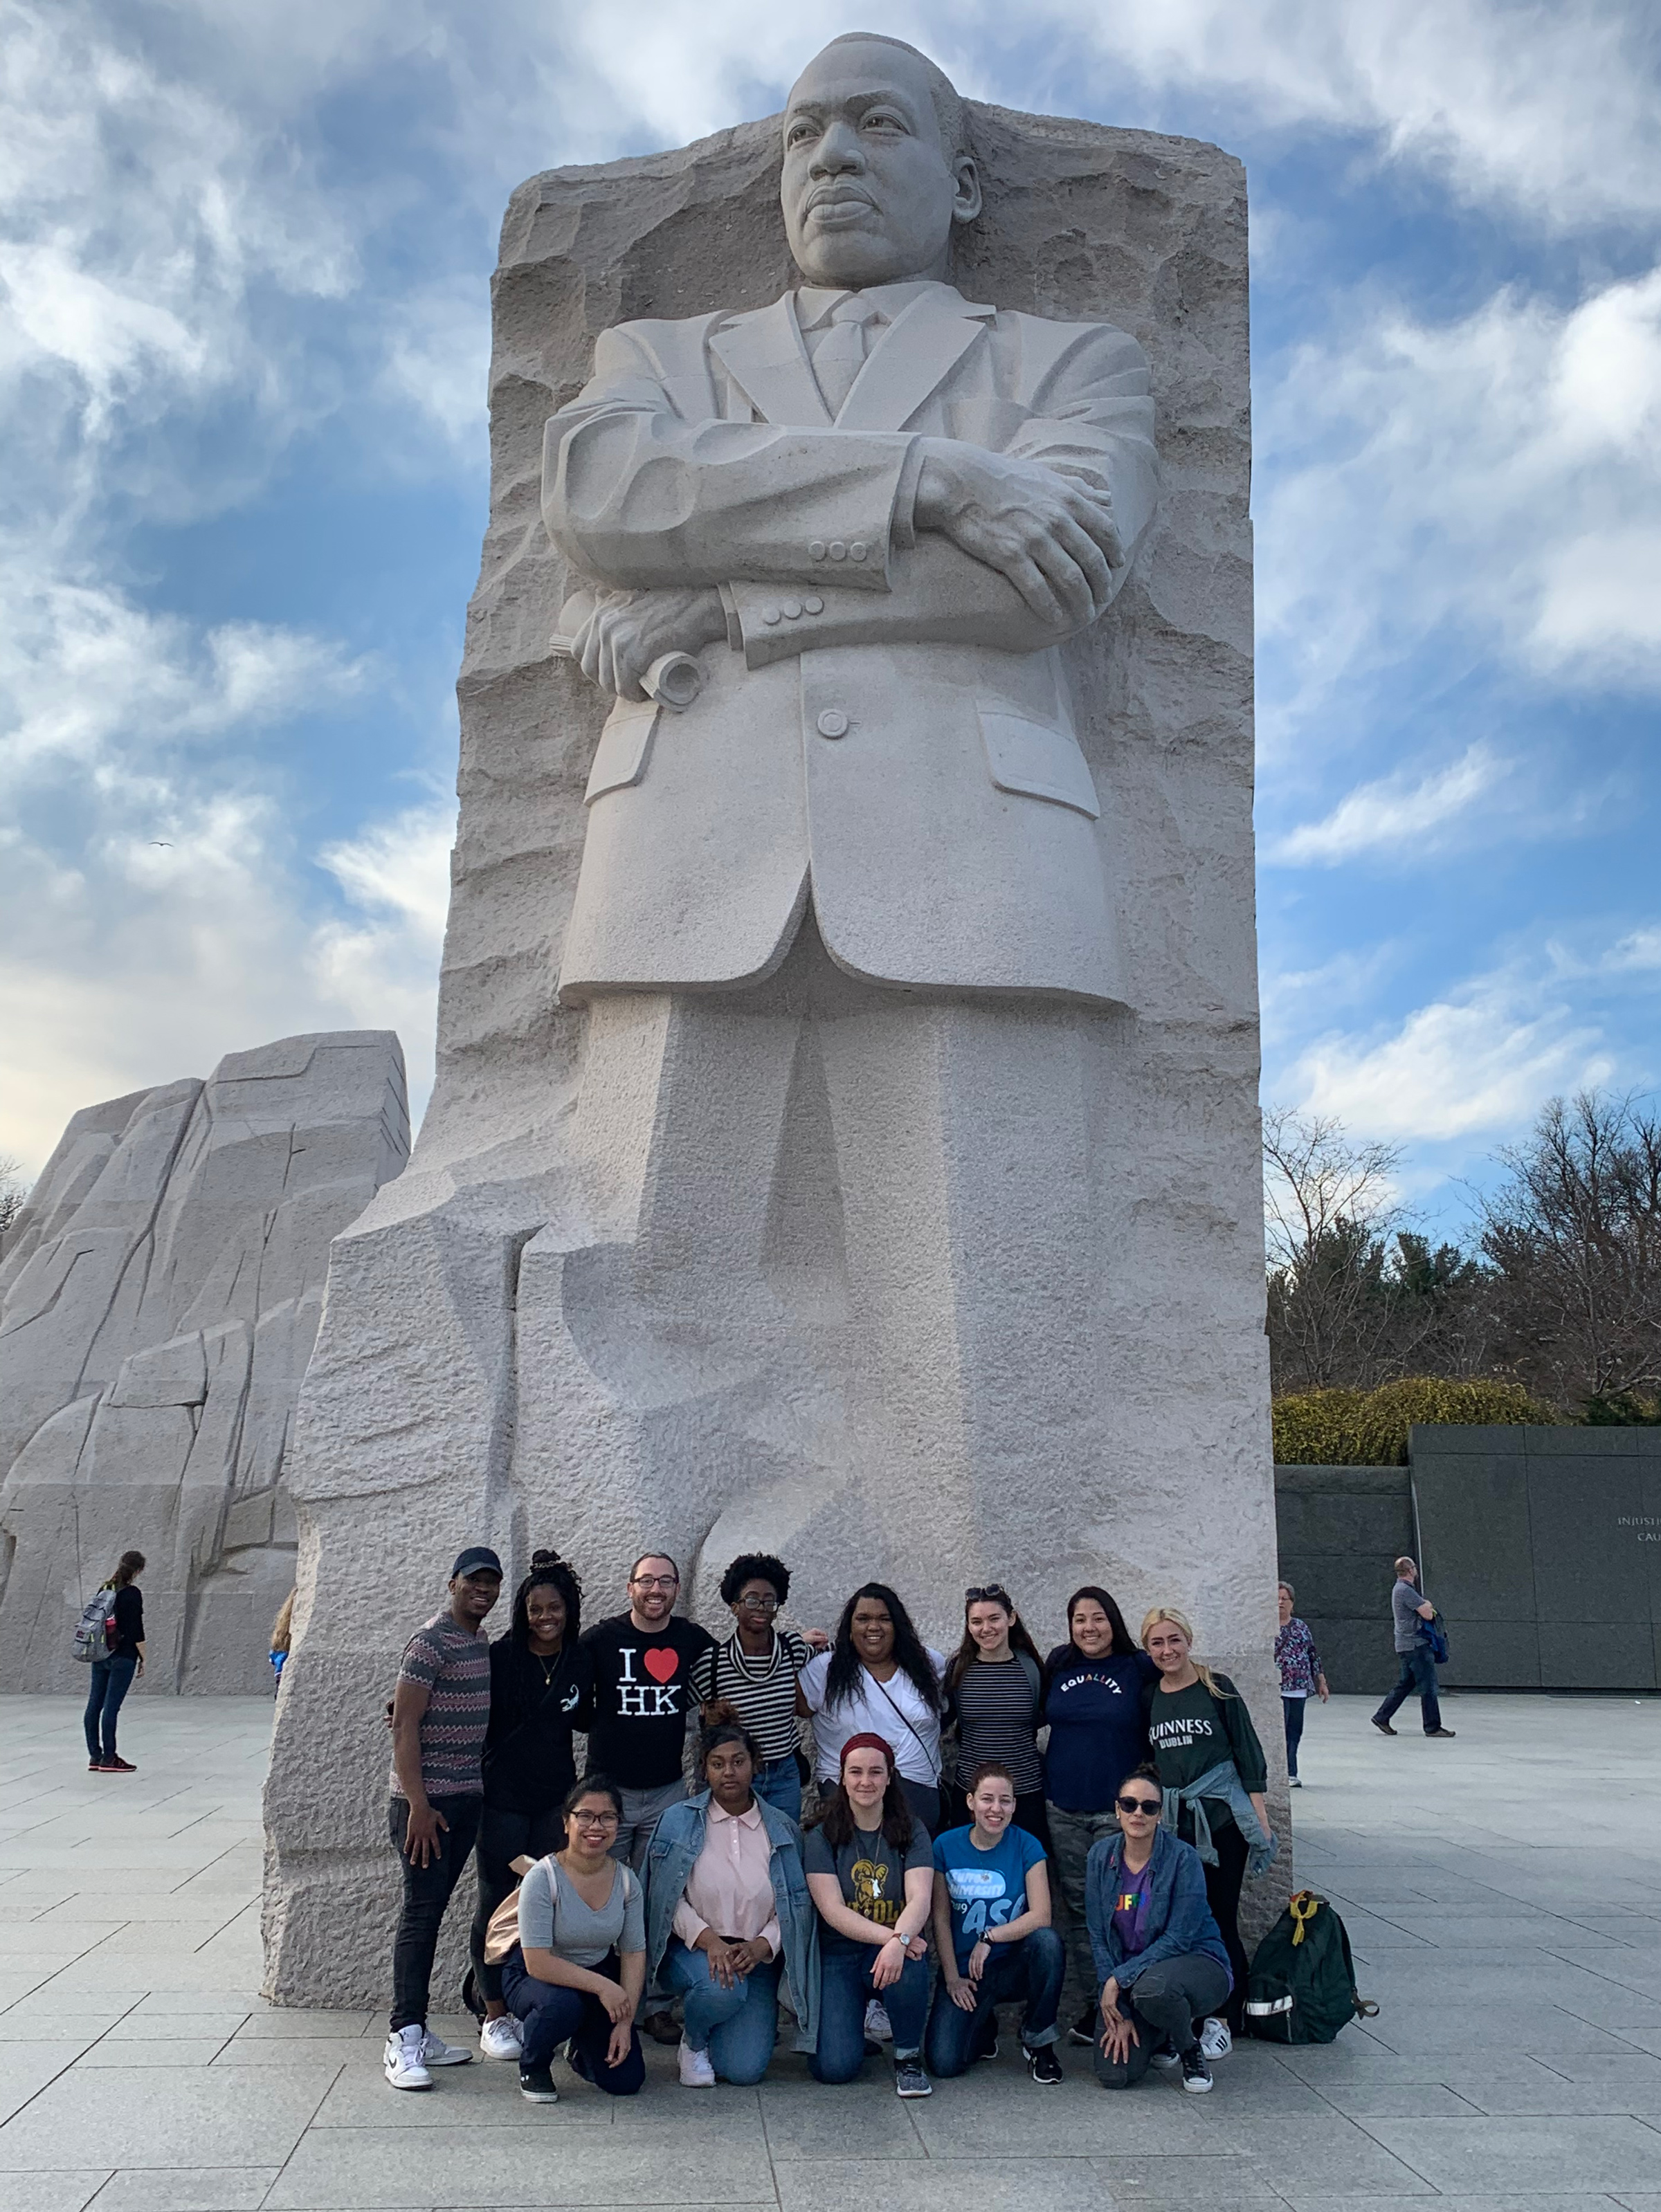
755, 1671
995, 1697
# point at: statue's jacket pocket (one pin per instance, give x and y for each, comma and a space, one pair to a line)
624, 745
1038, 760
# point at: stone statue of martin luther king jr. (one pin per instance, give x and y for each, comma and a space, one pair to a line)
871, 510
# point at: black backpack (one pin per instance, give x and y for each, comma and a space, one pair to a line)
1302, 1980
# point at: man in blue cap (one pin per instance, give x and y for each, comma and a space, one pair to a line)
440, 1711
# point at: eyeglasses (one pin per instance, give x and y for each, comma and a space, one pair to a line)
1150, 1806
993, 1591
759, 1604
657, 1581
593, 1819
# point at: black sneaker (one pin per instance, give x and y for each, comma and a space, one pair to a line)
1196, 2071
990, 2051
536, 2085
1383, 1727
910, 2080
1042, 2064
1083, 2029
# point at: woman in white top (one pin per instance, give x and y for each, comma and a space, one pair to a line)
880, 1679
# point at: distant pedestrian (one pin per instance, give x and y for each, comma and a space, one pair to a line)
440, 1711
1409, 1609
122, 1664
1301, 1675
282, 1636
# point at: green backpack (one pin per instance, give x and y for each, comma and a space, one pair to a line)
1302, 1980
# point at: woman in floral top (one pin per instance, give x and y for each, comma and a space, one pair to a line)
1301, 1678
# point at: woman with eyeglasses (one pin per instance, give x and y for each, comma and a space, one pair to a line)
541, 1689
993, 1693
729, 1914
576, 1973
1211, 1766
879, 1678
756, 1671
1159, 1956
1093, 1705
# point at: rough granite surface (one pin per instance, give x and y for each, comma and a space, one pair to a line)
508, 1356
159, 1299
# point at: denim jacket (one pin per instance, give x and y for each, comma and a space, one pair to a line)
1179, 1924
675, 1851
1223, 1781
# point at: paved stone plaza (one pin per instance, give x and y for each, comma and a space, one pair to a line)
1501, 1892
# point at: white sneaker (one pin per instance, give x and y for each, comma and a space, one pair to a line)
1166, 2058
434, 2051
501, 2039
1215, 2041
406, 2066
696, 2069
878, 2026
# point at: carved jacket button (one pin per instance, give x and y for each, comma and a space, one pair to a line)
833, 723
792, 610
816, 549
815, 605
770, 614
858, 550
838, 550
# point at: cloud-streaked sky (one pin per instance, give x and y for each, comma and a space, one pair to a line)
244, 255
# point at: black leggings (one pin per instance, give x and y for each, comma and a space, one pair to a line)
1222, 1889
503, 1836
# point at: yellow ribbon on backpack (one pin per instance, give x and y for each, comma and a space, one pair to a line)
1303, 1909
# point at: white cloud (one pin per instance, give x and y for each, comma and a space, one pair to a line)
1479, 1060
384, 966
1497, 477
1393, 814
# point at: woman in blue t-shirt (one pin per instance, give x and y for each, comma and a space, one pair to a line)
992, 1930
1093, 1704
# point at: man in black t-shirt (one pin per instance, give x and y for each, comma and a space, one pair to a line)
643, 1661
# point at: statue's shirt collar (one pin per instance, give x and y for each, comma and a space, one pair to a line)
814, 302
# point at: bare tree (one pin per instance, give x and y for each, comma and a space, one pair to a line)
1356, 1296
13, 1191
1573, 1240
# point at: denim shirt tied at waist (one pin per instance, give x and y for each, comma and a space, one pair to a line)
675, 1849
1222, 1780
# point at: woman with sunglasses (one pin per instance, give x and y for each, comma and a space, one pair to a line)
542, 1683
993, 1693
1093, 1705
879, 1678
756, 1672
1159, 1956
576, 1973
1211, 1766
728, 1913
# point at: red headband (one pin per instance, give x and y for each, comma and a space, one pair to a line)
869, 1743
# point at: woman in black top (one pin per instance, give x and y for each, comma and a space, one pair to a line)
541, 1689
113, 1675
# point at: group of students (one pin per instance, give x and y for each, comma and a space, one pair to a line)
603, 1900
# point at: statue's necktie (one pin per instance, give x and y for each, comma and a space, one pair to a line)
839, 355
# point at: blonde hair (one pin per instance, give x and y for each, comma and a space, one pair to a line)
1151, 1621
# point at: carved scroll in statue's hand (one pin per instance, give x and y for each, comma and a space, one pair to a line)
640, 645
1052, 537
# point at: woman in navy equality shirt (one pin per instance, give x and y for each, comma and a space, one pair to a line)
1094, 1689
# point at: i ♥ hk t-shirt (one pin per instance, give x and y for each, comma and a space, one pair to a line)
642, 1695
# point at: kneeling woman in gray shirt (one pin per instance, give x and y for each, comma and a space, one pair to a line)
579, 1967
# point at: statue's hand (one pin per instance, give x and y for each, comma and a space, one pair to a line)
622, 638
1055, 541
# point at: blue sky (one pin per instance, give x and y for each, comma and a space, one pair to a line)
244, 256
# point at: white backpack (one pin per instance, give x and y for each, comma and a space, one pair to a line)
95, 1633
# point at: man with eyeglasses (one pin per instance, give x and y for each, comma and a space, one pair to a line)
643, 1665
755, 1671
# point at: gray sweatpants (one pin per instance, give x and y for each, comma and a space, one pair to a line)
1071, 1835
1163, 2004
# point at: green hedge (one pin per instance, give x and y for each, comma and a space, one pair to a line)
1369, 1428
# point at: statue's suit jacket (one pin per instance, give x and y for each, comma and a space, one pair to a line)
886, 730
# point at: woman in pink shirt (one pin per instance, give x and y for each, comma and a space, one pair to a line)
728, 1916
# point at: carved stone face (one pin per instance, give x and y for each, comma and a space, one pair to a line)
870, 192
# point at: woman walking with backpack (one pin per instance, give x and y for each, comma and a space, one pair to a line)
1213, 1774
123, 1661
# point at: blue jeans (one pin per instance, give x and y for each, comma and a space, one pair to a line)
845, 1990
780, 1782
736, 2027
1293, 1710
1031, 1969
1418, 1673
553, 2015
112, 1678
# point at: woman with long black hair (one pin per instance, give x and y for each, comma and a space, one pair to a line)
993, 1693
879, 1678
118, 1666
541, 1689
